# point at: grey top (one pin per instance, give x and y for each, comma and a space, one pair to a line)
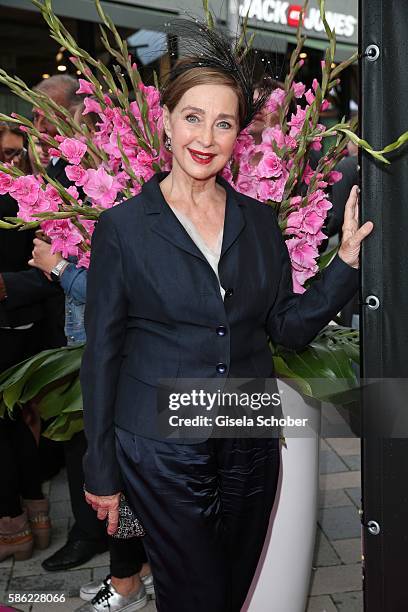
211, 255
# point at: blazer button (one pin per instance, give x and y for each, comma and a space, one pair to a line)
221, 368
229, 292
221, 330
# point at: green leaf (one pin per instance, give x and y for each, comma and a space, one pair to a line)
72, 399
65, 426
327, 363
326, 259
282, 370
50, 404
12, 380
4, 225
56, 367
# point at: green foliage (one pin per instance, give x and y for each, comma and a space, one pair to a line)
50, 379
326, 368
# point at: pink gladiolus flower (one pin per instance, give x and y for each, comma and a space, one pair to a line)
85, 87
77, 175
134, 107
89, 225
307, 174
48, 201
244, 146
302, 255
319, 203
296, 121
52, 196
269, 166
6, 183
227, 174
304, 221
316, 239
298, 89
73, 150
101, 187
247, 186
25, 190
32, 199
73, 191
275, 100
151, 93
316, 144
315, 83
334, 177
54, 152
310, 97
272, 190
84, 259
274, 134
296, 201
136, 189
91, 106
299, 277
325, 105
65, 237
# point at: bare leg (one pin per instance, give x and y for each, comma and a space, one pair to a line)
126, 586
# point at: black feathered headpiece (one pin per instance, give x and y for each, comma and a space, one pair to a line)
206, 47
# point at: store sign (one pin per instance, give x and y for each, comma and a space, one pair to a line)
285, 16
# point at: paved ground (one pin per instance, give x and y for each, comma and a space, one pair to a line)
336, 576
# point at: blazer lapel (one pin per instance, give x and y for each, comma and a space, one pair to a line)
234, 221
166, 224
169, 227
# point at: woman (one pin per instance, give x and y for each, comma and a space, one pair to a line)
160, 305
24, 520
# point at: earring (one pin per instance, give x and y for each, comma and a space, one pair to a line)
167, 143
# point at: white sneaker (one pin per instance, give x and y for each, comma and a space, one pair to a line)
148, 585
108, 599
89, 590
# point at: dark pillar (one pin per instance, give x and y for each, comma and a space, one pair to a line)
384, 95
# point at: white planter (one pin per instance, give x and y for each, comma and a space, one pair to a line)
281, 583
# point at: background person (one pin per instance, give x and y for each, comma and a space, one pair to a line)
24, 516
129, 570
22, 291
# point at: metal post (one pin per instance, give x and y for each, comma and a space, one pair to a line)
384, 296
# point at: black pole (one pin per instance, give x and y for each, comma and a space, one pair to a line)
384, 277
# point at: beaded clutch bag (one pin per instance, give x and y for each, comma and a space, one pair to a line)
129, 525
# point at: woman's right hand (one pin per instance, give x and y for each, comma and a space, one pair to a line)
107, 507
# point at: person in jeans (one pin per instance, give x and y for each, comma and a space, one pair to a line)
130, 581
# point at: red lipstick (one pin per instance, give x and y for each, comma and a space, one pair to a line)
200, 157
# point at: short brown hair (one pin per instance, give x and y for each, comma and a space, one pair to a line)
174, 89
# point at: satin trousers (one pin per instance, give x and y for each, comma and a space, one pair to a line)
205, 509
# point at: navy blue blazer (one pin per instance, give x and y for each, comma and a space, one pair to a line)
154, 310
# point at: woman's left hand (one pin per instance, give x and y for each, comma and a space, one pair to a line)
107, 508
353, 236
43, 259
